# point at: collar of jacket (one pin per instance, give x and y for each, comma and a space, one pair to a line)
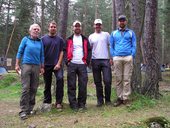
71, 37
120, 29
38, 39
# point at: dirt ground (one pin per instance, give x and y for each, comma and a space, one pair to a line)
105, 117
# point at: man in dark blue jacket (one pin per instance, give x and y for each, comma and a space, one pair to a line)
53, 53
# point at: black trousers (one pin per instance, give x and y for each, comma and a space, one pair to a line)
102, 67
74, 71
59, 84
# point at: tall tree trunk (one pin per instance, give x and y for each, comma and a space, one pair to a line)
6, 28
136, 25
1, 5
120, 7
35, 12
151, 80
113, 15
63, 18
42, 17
96, 9
56, 11
84, 17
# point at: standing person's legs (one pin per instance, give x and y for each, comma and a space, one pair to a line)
107, 78
25, 94
118, 71
71, 82
82, 85
48, 80
34, 85
128, 68
96, 68
59, 86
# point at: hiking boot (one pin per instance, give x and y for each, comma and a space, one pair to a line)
126, 102
108, 103
74, 108
118, 102
33, 112
23, 115
99, 104
59, 107
82, 108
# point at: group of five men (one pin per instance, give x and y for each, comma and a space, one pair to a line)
78, 52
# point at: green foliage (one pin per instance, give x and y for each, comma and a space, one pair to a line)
140, 102
78, 9
9, 87
7, 80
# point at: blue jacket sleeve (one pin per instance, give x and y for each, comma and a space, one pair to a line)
133, 44
21, 48
111, 45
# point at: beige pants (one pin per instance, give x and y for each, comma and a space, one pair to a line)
123, 67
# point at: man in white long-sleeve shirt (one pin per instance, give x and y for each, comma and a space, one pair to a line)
101, 64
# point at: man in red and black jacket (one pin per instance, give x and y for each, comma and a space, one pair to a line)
77, 54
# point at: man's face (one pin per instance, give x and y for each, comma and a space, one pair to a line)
98, 27
122, 23
77, 28
52, 29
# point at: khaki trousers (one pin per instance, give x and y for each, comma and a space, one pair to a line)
123, 67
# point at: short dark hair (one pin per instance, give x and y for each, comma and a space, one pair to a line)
52, 22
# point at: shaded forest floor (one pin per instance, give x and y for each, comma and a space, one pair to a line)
132, 116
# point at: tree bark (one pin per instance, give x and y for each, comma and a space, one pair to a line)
63, 18
84, 17
120, 8
113, 15
151, 80
56, 11
136, 24
96, 9
42, 17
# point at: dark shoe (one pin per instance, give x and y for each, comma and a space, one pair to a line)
82, 109
23, 115
99, 104
108, 103
126, 102
118, 102
33, 112
74, 108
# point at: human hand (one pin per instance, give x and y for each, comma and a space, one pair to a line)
42, 71
57, 67
17, 69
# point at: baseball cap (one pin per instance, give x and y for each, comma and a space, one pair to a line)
122, 17
76, 22
98, 21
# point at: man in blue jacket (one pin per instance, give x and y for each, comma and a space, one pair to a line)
123, 50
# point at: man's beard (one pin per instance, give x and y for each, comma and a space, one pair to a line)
53, 33
77, 32
122, 26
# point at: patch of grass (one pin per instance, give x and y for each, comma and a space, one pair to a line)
7, 80
107, 116
140, 102
10, 92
